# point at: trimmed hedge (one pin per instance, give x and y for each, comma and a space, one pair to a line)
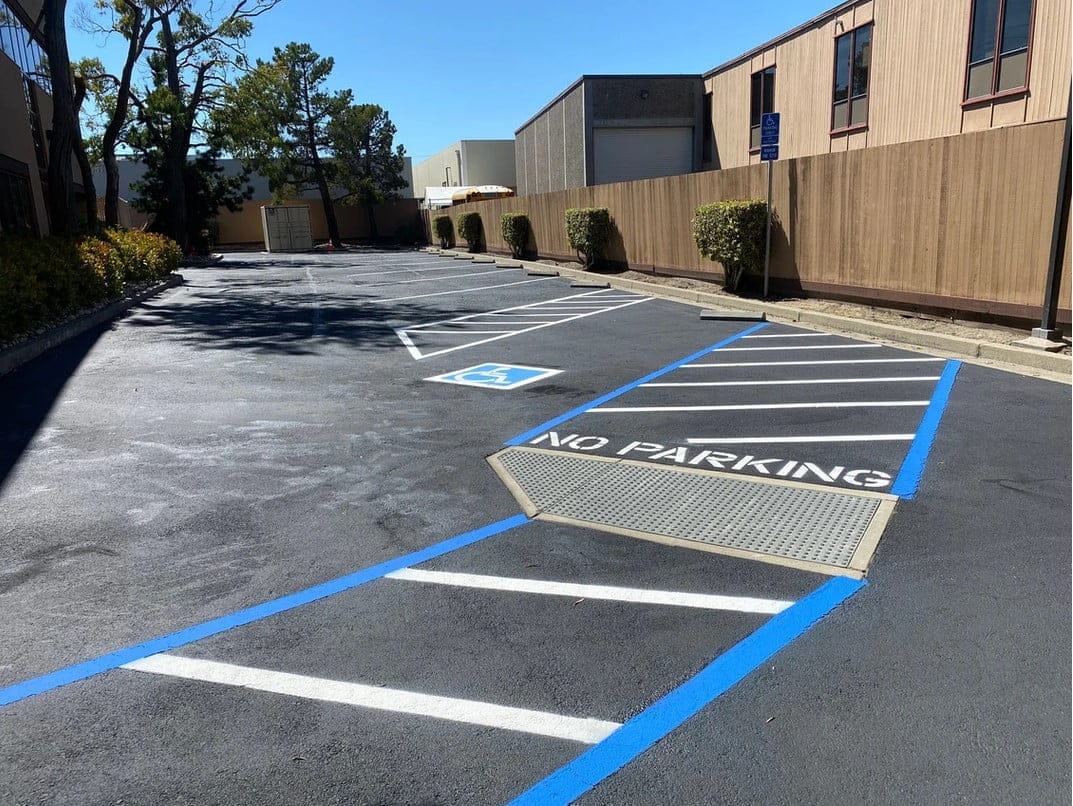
443, 229
732, 233
45, 279
469, 229
515, 230
589, 231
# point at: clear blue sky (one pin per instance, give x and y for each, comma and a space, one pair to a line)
478, 69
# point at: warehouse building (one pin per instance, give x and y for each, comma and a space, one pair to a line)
865, 73
878, 72
604, 129
467, 162
26, 109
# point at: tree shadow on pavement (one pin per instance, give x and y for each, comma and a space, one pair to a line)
285, 322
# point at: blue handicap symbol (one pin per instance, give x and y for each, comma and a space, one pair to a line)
495, 376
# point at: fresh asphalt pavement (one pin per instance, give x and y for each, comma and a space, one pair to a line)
268, 427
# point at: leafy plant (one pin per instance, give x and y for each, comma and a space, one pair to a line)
45, 279
470, 230
515, 231
443, 229
589, 231
732, 233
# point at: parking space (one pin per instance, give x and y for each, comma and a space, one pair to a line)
287, 574
776, 402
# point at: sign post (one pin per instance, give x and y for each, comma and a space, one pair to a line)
769, 152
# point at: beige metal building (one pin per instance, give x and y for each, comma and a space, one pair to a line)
26, 112
467, 162
878, 72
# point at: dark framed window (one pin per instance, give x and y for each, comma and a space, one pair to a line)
761, 101
1000, 39
853, 68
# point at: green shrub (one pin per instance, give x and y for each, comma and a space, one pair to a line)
515, 231
732, 233
470, 229
45, 279
145, 256
589, 231
444, 230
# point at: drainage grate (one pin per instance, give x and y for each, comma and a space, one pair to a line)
806, 526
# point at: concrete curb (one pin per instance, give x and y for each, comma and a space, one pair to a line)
14, 357
1016, 358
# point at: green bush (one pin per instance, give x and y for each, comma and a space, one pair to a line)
145, 256
515, 231
444, 230
589, 231
470, 229
44, 279
732, 233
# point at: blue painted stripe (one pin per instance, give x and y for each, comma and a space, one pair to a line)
113, 660
638, 734
908, 479
562, 418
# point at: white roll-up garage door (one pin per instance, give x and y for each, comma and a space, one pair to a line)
623, 154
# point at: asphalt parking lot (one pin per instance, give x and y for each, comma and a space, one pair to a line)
253, 551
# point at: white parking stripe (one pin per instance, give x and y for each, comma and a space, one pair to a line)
434, 279
895, 379
805, 347
464, 332
464, 290
815, 363
767, 406
741, 604
403, 271
785, 336
473, 712
542, 310
825, 438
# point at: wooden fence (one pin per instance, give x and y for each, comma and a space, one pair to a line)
960, 224
244, 226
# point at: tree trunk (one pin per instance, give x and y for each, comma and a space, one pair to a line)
86, 170
63, 219
374, 234
176, 158
325, 197
111, 189
139, 31
329, 211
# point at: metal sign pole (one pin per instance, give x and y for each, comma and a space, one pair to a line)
769, 152
767, 233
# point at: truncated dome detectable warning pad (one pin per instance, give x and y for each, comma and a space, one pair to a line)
807, 526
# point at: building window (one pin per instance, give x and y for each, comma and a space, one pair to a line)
853, 59
16, 204
709, 129
999, 36
21, 48
762, 101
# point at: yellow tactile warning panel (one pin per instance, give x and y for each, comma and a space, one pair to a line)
823, 529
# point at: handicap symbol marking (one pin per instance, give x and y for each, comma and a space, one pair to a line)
496, 376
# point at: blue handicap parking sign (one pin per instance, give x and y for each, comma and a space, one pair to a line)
769, 129
495, 376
